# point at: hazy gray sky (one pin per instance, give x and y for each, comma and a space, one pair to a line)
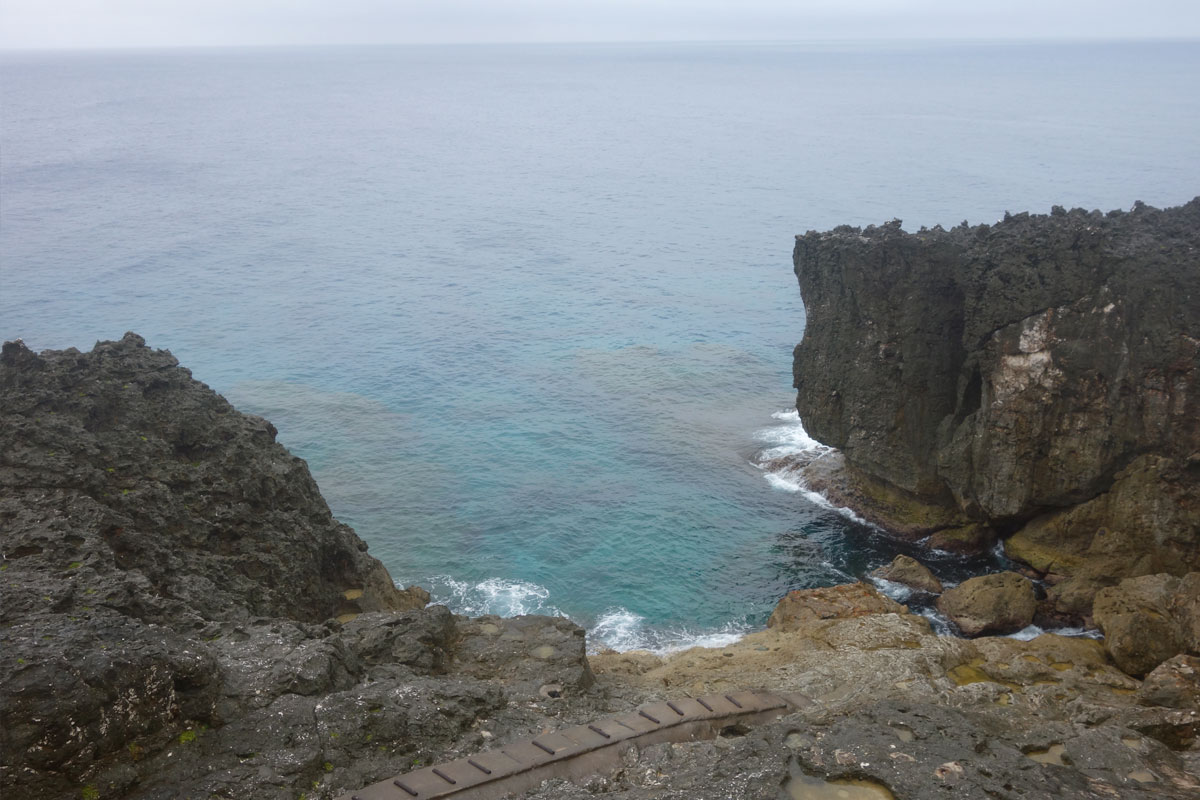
121, 23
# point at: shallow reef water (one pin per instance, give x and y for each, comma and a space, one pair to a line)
528, 311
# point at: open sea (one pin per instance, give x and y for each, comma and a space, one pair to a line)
528, 311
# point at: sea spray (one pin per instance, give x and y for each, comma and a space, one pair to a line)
793, 449
615, 629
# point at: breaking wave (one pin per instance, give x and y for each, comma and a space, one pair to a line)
621, 629
617, 629
790, 450
499, 596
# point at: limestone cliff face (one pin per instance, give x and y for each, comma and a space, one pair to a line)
1038, 376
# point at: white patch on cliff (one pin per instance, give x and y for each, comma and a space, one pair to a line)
1032, 367
1035, 333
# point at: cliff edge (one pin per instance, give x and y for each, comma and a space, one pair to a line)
1036, 379
181, 615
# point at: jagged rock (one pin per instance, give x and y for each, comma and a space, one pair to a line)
181, 615
1175, 727
913, 751
524, 652
1146, 620
1001, 603
910, 572
420, 640
179, 507
1038, 375
1175, 683
804, 607
917, 751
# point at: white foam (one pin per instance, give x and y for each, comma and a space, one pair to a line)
785, 483
789, 438
1026, 633
621, 629
939, 622
499, 596
897, 591
793, 450
845, 577
617, 628
1033, 631
684, 639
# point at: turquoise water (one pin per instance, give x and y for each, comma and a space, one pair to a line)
528, 312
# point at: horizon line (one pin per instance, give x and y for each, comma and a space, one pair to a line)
824, 40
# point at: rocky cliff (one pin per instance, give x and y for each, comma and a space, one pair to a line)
181, 615
1036, 379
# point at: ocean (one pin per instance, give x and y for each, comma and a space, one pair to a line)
528, 311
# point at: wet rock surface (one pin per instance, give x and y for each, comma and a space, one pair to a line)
910, 572
1038, 377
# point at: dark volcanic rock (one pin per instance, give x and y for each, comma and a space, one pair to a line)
181, 615
179, 507
920, 751
1039, 375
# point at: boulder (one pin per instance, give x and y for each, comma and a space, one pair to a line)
911, 573
1146, 620
1004, 602
803, 607
1175, 683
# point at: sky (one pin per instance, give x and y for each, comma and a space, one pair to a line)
167, 23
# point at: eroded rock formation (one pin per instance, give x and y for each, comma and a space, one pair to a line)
1037, 379
154, 643
181, 615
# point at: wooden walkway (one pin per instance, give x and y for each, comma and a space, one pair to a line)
579, 751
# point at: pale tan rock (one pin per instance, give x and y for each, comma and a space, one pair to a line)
1139, 630
1175, 683
1000, 603
631, 662
1185, 608
911, 573
804, 607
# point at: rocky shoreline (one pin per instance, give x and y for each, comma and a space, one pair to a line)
1035, 381
181, 616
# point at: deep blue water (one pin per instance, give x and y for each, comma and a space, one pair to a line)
528, 311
